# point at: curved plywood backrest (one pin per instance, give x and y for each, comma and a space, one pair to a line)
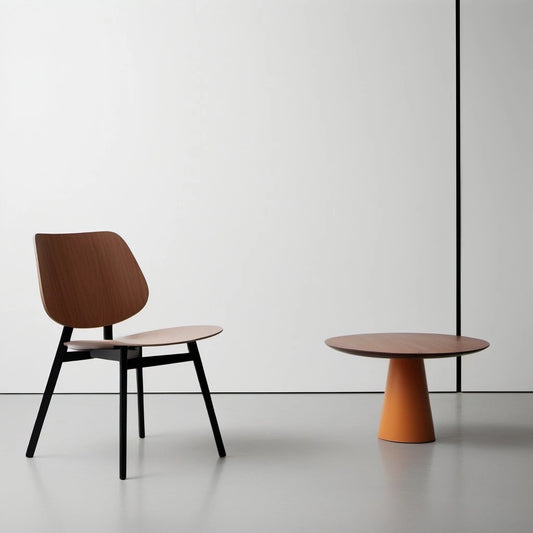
89, 279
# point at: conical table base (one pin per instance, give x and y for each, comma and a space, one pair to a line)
406, 414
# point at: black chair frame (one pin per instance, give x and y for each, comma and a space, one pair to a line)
129, 358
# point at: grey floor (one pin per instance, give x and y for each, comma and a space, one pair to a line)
309, 463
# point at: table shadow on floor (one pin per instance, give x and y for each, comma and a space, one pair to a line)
487, 435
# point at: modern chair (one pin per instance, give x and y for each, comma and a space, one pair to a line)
91, 280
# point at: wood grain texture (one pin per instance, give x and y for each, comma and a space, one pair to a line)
89, 279
391, 345
157, 337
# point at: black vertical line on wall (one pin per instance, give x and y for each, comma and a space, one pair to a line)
458, 384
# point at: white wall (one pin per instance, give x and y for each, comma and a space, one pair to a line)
498, 191
282, 168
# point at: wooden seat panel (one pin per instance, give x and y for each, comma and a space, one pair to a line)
156, 337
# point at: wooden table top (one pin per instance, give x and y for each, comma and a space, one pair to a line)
398, 345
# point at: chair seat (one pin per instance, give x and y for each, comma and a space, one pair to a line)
156, 337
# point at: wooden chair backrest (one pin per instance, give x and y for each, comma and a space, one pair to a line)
89, 280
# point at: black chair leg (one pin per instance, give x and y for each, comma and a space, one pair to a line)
193, 349
140, 399
48, 391
123, 411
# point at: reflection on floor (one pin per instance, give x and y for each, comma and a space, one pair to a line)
296, 463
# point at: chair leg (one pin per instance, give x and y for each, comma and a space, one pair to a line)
193, 348
140, 399
123, 411
48, 391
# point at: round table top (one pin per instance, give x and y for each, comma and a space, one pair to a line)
398, 345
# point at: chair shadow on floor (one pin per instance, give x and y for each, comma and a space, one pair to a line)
253, 444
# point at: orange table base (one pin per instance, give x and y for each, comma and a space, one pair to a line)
406, 415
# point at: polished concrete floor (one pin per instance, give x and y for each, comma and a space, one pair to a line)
296, 463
